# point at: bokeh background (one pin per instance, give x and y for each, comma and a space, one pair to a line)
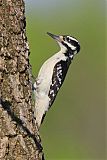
75, 126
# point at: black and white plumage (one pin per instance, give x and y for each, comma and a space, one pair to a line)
52, 74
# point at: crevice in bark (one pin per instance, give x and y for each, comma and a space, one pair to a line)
7, 107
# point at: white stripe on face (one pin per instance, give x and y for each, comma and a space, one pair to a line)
72, 38
70, 46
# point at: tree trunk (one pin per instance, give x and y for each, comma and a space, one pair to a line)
19, 139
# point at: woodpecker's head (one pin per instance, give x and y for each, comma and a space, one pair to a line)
68, 43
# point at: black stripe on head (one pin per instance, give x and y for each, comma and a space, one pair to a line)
68, 48
69, 51
72, 41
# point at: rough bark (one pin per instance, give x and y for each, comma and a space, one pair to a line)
19, 139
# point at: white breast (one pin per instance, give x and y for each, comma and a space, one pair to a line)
45, 74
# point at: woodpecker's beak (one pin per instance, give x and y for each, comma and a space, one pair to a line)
56, 37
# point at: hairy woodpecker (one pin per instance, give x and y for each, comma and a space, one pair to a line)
52, 74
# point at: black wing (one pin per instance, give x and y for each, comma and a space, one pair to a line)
58, 77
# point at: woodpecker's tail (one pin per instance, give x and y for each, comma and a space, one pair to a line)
40, 112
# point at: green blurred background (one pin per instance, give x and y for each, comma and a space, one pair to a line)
75, 126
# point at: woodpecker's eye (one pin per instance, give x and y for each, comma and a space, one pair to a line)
68, 39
